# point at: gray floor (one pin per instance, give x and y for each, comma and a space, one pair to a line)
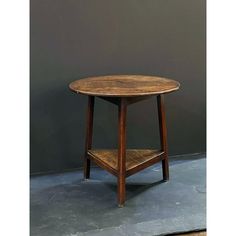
65, 205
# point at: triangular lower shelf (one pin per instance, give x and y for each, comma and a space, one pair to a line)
136, 159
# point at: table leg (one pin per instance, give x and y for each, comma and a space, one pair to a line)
89, 135
163, 136
122, 151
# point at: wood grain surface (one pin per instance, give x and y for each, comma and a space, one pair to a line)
134, 157
124, 85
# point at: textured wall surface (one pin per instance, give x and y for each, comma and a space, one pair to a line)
73, 39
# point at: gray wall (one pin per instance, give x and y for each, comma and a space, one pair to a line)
72, 39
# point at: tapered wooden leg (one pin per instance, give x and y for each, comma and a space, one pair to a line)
122, 152
89, 135
163, 136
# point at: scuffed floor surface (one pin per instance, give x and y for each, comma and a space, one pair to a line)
65, 205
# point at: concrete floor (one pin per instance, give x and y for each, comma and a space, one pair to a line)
65, 205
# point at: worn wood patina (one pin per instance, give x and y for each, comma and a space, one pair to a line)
124, 85
123, 90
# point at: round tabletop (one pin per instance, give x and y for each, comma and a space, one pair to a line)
124, 85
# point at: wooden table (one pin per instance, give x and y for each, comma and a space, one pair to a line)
123, 90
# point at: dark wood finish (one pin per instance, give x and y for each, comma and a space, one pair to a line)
113, 100
124, 85
129, 100
121, 151
136, 159
123, 90
163, 136
132, 100
89, 135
